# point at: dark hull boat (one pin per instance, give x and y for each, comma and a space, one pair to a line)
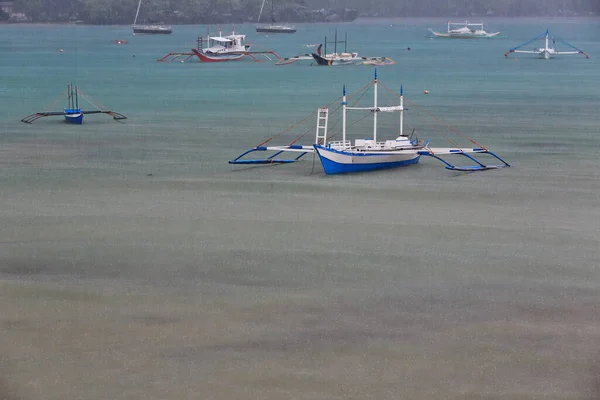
151, 29
273, 28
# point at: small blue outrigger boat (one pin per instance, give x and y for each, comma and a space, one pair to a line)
73, 113
368, 154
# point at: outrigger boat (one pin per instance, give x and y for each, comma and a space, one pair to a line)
219, 49
73, 113
335, 58
368, 154
546, 52
330, 59
466, 30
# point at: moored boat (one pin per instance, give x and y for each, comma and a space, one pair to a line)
222, 48
547, 51
368, 153
273, 27
73, 113
464, 30
149, 29
335, 58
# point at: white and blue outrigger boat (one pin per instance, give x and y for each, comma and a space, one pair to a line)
546, 52
367, 154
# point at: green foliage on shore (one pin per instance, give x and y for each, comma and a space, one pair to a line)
218, 11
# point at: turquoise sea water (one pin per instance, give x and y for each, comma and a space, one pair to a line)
136, 262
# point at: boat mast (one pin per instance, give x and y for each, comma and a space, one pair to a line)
375, 107
69, 97
272, 12
335, 42
76, 98
344, 103
137, 12
547, 39
401, 112
261, 10
346, 43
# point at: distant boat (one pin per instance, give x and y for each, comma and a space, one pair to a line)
466, 30
273, 28
220, 48
546, 52
73, 113
151, 29
335, 58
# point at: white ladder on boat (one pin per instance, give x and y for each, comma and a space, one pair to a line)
322, 119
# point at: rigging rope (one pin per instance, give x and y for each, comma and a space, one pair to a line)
441, 122
56, 100
308, 117
543, 35
87, 98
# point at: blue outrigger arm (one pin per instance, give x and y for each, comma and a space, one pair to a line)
437, 152
303, 150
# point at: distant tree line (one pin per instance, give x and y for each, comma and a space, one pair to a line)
217, 11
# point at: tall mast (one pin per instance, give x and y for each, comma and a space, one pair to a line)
137, 12
346, 43
335, 42
76, 98
375, 107
344, 103
272, 11
401, 112
261, 10
547, 33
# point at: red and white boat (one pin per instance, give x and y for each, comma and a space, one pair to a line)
223, 48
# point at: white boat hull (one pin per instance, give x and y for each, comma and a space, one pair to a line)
343, 161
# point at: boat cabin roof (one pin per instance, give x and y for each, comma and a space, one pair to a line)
227, 39
233, 37
220, 39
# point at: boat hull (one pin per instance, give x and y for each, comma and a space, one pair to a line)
213, 57
334, 61
464, 36
342, 162
73, 117
152, 30
275, 29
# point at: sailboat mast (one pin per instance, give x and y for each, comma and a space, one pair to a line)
137, 12
261, 10
375, 107
335, 42
401, 111
344, 103
272, 11
346, 43
76, 98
